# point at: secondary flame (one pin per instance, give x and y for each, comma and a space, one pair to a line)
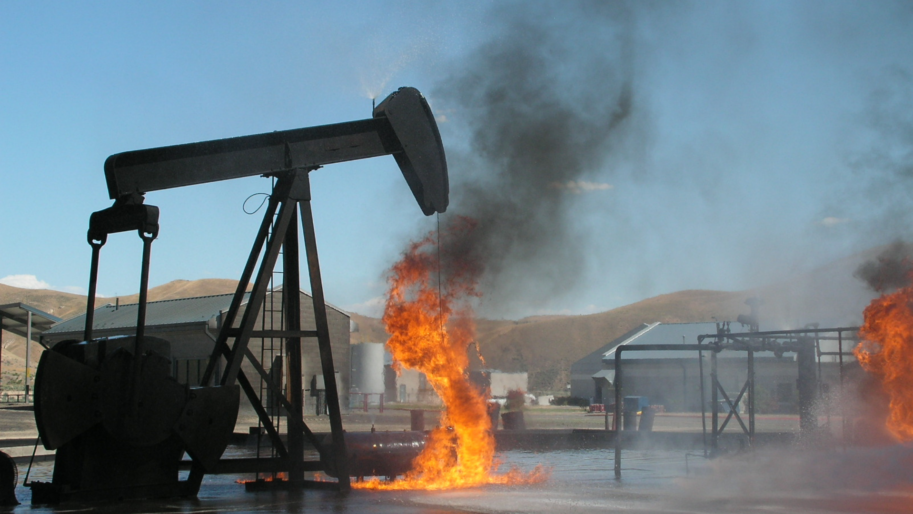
887, 353
430, 329
274, 477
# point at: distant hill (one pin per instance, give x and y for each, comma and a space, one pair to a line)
66, 305
56, 303
546, 346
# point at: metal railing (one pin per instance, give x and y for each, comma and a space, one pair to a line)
17, 397
806, 343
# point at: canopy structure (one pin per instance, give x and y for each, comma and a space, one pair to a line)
605, 374
19, 317
28, 322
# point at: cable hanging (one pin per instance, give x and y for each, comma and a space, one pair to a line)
244, 204
440, 294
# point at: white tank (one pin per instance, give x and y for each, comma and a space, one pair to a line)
368, 368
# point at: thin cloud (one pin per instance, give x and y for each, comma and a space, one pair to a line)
580, 186
33, 282
24, 282
831, 221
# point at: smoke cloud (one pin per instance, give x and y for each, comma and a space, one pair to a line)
890, 270
546, 105
882, 160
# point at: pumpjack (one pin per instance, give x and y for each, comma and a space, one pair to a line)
120, 424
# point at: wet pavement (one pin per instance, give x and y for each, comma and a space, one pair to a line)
877, 480
769, 480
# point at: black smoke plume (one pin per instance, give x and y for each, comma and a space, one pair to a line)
890, 270
547, 103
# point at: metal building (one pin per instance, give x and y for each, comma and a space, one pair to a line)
191, 325
671, 379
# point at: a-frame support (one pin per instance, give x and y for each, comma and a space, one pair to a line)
292, 190
402, 126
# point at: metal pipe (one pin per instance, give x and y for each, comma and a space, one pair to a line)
28, 345
618, 423
715, 407
700, 363
93, 282
783, 332
842, 399
751, 404
662, 347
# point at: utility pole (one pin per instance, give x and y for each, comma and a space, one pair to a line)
28, 340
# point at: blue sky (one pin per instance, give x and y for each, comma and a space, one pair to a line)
766, 138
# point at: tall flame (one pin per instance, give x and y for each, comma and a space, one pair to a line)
430, 321
887, 353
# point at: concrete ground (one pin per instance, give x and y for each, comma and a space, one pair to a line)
582, 482
777, 480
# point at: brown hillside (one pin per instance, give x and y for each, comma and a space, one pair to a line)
66, 305
546, 349
56, 303
546, 346
829, 295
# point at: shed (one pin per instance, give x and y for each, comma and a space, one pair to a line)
191, 325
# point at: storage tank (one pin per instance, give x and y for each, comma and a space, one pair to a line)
368, 371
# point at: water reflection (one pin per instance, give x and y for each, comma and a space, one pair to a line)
582, 481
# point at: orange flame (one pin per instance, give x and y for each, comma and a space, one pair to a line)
887, 353
274, 477
431, 332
